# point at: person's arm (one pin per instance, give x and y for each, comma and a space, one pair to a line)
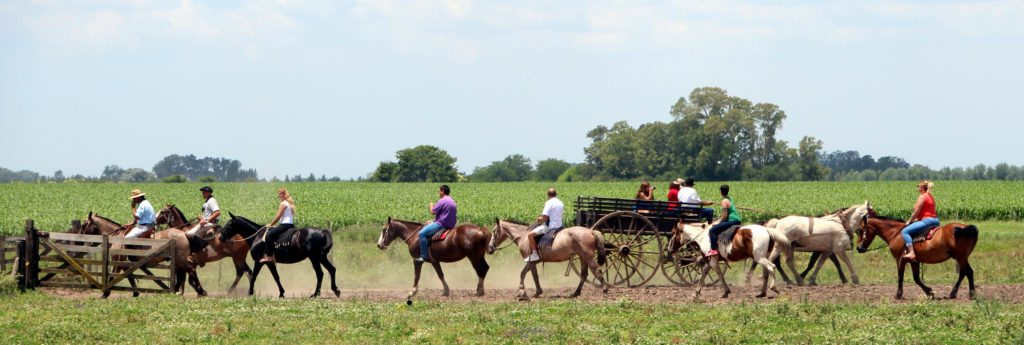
543, 217
213, 216
725, 210
280, 212
433, 208
917, 209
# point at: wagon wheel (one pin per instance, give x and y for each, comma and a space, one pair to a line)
683, 267
633, 245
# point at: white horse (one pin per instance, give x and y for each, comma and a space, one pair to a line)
751, 241
831, 234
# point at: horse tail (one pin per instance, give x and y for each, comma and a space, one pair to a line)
771, 223
781, 242
969, 231
602, 253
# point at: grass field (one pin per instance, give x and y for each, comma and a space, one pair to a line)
53, 206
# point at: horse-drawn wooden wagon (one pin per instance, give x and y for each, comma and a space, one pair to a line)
637, 233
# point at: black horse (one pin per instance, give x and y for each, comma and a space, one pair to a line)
311, 243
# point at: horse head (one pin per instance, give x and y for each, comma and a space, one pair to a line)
387, 234
499, 235
683, 232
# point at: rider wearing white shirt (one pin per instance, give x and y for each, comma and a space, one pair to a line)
688, 195
211, 213
550, 220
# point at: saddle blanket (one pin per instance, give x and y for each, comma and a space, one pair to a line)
285, 239
926, 235
725, 238
440, 236
548, 239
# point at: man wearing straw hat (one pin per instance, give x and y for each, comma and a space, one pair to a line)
143, 213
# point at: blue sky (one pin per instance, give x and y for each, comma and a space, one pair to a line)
334, 87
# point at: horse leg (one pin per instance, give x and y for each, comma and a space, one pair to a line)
481, 267
440, 275
768, 276
583, 278
277, 279
326, 262
131, 281
791, 262
193, 279
750, 272
536, 281
721, 278
959, 279
417, 267
255, 273
522, 281
916, 268
900, 267
700, 282
970, 279
849, 263
319, 275
241, 268
596, 268
810, 264
782, 272
817, 268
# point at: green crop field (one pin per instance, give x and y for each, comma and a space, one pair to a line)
53, 206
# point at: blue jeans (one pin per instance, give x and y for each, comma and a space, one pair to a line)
916, 228
707, 214
717, 229
428, 231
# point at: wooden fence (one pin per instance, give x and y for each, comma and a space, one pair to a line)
101, 262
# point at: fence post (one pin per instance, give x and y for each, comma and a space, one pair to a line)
19, 265
31, 255
3, 254
106, 262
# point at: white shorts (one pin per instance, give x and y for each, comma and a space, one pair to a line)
541, 230
137, 231
201, 230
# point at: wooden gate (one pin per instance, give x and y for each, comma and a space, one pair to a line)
9, 253
100, 262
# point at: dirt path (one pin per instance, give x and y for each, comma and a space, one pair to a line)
663, 294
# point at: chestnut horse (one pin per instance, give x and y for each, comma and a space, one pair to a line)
97, 225
569, 242
465, 241
236, 248
951, 241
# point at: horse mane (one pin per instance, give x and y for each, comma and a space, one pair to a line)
106, 219
180, 214
407, 222
516, 222
886, 218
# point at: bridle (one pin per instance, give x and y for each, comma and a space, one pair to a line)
512, 239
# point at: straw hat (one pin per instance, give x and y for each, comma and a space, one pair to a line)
136, 193
679, 181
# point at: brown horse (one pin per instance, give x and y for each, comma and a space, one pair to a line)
236, 248
574, 241
97, 225
951, 241
465, 241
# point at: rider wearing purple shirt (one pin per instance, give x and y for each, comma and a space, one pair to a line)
444, 212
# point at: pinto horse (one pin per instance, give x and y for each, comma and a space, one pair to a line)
951, 241
97, 225
465, 241
235, 248
569, 242
750, 242
314, 244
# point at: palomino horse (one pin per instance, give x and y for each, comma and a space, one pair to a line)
951, 241
465, 241
235, 248
97, 225
751, 241
831, 234
312, 243
569, 242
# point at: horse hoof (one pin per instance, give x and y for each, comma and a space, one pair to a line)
314, 296
725, 295
135, 294
408, 302
812, 284
952, 296
202, 293
337, 293
761, 295
523, 298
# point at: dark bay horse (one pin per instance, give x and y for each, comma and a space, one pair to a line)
951, 241
465, 241
236, 248
312, 243
97, 225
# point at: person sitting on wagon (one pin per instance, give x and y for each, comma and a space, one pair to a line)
673, 194
923, 218
143, 215
646, 192
688, 195
550, 220
730, 218
444, 212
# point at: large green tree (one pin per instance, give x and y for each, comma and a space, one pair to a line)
513, 168
422, 163
550, 169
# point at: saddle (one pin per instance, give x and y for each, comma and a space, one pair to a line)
926, 235
441, 235
285, 239
725, 238
196, 243
547, 240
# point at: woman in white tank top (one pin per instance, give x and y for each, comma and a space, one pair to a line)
285, 215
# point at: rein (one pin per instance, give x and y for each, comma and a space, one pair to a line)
510, 237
